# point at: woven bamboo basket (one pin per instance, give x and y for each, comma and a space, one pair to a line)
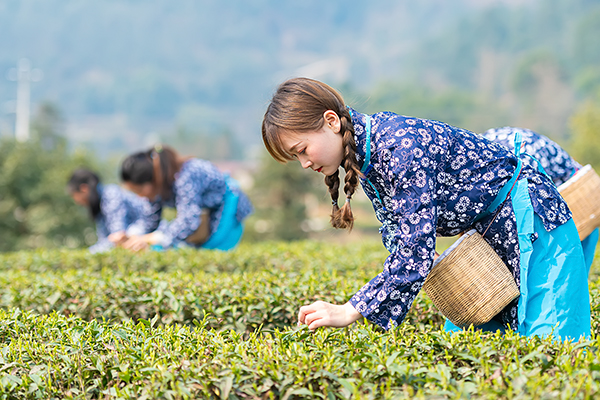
469, 283
581, 194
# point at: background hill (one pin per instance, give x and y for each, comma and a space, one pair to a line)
120, 75
126, 73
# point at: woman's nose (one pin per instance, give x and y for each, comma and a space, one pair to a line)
305, 162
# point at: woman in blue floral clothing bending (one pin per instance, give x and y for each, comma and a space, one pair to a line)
210, 205
117, 213
425, 179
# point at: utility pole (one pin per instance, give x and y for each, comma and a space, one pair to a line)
24, 75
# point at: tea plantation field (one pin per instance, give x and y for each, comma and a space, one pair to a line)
191, 324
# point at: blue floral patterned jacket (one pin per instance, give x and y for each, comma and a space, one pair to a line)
121, 210
557, 163
199, 184
428, 178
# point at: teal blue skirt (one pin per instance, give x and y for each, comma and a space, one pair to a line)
230, 230
554, 287
589, 248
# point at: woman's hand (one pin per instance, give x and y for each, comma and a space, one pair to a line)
136, 243
118, 238
321, 313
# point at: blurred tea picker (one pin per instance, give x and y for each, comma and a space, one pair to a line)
210, 205
579, 186
117, 213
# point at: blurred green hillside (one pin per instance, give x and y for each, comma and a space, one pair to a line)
127, 73
121, 75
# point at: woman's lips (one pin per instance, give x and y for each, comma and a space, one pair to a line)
320, 169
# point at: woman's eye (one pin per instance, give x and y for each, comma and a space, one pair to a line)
302, 151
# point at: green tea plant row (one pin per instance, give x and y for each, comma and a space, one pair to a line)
54, 356
246, 258
222, 325
258, 286
246, 289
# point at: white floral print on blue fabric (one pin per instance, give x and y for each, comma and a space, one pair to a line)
198, 185
428, 178
557, 163
121, 210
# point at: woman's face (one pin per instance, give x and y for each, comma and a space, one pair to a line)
81, 196
146, 190
322, 150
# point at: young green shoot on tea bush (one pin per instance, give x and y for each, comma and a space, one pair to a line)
177, 325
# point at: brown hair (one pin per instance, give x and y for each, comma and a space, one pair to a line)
298, 105
157, 166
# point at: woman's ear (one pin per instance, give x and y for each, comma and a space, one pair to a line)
332, 120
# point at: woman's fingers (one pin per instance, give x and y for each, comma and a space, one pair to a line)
321, 313
319, 322
140, 246
314, 315
310, 318
135, 243
304, 311
129, 243
117, 237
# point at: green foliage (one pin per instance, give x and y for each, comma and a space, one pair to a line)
35, 209
83, 356
279, 198
526, 78
585, 47
457, 107
60, 357
216, 64
219, 145
585, 128
242, 289
526, 65
588, 81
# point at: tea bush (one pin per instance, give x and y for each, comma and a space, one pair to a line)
260, 285
216, 325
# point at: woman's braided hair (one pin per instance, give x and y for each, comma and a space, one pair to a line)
298, 105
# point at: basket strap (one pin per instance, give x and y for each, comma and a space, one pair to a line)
503, 194
366, 167
539, 165
367, 161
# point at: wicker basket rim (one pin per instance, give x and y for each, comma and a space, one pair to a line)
452, 247
578, 175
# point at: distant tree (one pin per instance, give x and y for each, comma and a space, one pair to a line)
585, 127
35, 210
585, 38
213, 146
278, 196
47, 126
587, 82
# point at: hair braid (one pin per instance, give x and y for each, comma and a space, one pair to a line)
333, 183
342, 217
